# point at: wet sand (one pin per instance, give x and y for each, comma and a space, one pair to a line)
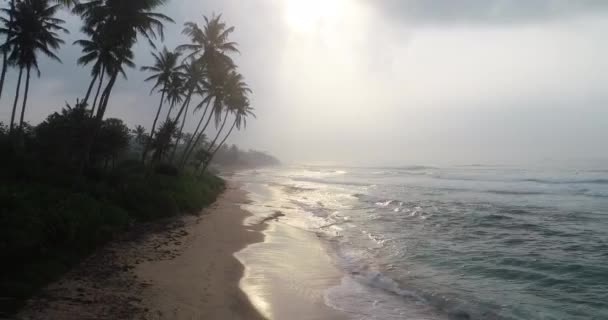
187, 269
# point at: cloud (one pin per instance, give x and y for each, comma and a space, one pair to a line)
441, 12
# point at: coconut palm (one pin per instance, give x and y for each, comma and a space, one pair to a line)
193, 75
33, 30
240, 121
175, 92
214, 85
233, 96
6, 48
196, 136
9, 35
100, 51
165, 66
119, 22
210, 43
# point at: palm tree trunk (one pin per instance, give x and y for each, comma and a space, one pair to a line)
160, 107
188, 147
215, 140
98, 90
179, 136
86, 97
218, 147
200, 135
27, 89
16, 100
105, 97
97, 123
181, 110
5, 51
169, 112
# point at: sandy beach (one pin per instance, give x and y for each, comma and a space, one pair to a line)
187, 269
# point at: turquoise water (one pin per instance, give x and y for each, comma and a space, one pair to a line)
461, 242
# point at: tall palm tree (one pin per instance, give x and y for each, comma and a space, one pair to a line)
210, 43
241, 112
96, 50
217, 75
5, 61
196, 136
165, 66
119, 22
6, 48
33, 30
175, 92
234, 95
194, 74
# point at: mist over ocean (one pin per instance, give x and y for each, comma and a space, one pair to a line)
453, 242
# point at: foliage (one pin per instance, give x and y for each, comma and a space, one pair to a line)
47, 226
60, 139
73, 182
232, 156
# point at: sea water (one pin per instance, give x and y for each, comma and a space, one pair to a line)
453, 242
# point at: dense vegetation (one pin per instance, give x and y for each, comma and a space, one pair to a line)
77, 179
233, 157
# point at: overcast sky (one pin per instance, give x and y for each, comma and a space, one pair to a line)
391, 81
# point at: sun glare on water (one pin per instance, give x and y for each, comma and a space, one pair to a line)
305, 15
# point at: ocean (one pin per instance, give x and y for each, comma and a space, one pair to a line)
454, 242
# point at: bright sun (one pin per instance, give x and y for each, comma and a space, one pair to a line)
305, 15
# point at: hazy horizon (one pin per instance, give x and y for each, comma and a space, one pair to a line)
390, 82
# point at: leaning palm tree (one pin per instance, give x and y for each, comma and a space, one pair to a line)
240, 121
99, 51
119, 22
214, 86
234, 95
164, 68
34, 30
175, 92
194, 75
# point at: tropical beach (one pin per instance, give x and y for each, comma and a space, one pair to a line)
189, 270
303, 160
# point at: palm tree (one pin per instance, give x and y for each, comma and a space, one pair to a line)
119, 23
99, 51
175, 92
194, 74
33, 29
9, 35
193, 141
240, 120
6, 48
217, 75
165, 66
210, 44
236, 101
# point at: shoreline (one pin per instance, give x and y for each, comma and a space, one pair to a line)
229, 262
180, 268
